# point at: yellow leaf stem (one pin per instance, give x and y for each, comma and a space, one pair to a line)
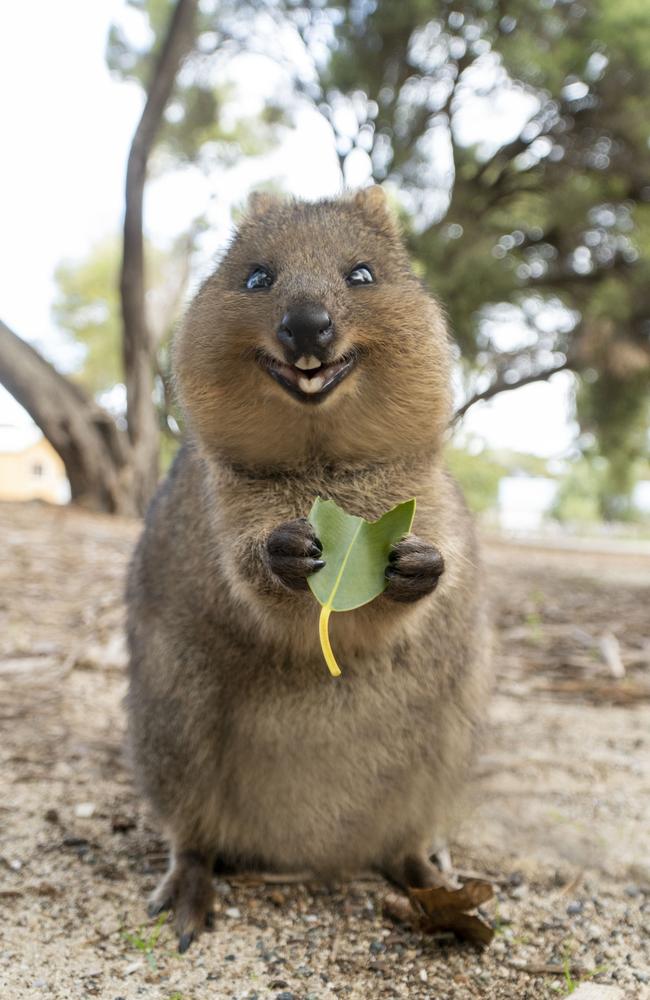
323, 623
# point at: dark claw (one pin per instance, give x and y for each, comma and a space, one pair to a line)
318, 564
184, 942
156, 907
315, 549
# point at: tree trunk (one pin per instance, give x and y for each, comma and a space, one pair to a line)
95, 453
138, 342
109, 469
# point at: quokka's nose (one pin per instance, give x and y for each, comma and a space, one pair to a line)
306, 330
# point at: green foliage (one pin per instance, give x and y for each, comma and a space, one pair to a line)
557, 213
478, 472
596, 488
578, 496
87, 308
571, 984
617, 410
356, 555
199, 127
478, 476
147, 944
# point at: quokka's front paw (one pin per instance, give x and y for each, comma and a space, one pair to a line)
414, 569
294, 552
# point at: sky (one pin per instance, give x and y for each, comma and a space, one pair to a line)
67, 126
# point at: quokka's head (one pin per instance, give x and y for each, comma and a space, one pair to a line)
314, 341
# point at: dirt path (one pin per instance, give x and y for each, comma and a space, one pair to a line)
562, 819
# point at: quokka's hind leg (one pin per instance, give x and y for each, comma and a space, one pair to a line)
414, 870
186, 890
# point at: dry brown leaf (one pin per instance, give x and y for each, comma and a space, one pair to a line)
446, 910
469, 895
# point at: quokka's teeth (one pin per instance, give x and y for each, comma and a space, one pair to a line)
311, 385
307, 364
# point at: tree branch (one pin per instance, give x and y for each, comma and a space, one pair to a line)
94, 452
501, 385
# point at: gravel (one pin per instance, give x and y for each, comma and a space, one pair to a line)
559, 820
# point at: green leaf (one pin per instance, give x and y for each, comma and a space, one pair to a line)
356, 555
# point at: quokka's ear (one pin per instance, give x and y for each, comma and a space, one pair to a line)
261, 202
373, 203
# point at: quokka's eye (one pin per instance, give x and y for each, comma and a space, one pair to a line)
259, 277
360, 275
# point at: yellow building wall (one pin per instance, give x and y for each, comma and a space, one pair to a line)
35, 473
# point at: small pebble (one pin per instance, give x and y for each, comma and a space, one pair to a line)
377, 947
423, 975
575, 907
233, 912
284, 996
85, 810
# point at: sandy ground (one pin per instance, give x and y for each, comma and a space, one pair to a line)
561, 822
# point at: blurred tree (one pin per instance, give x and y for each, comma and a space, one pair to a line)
87, 309
577, 498
515, 136
194, 129
111, 468
113, 464
478, 474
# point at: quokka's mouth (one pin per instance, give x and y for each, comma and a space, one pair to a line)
309, 379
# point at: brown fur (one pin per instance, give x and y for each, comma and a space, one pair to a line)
243, 743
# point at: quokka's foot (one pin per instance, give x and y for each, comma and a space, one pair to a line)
187, 891
415, 871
